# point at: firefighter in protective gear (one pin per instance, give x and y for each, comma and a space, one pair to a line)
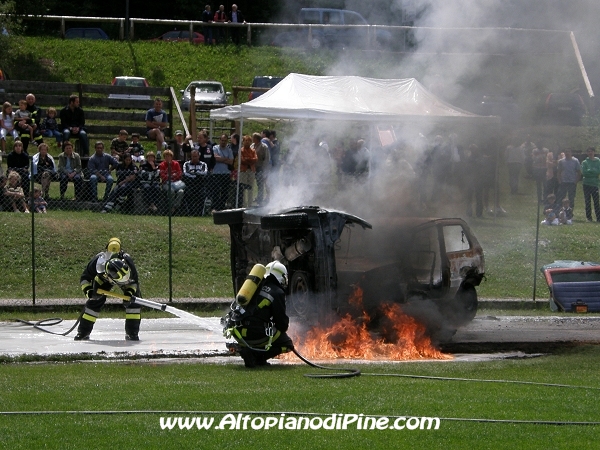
105, 270
260, 326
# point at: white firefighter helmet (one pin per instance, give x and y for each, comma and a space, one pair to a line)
279, 271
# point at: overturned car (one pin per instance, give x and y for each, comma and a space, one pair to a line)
434, 263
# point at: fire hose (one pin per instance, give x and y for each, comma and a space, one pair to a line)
206, 324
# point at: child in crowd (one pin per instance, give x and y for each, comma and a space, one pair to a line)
23, 121
550, 203
13, 192
550, 218
7, 124
119, 146
49, 127
565, 215
136, 149
39, 203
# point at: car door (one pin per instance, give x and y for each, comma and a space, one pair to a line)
424, 261
354, 36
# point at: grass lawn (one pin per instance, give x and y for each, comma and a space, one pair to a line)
189, 389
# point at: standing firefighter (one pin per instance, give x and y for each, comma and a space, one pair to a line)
106, 269
260, 324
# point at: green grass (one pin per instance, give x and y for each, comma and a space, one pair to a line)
94, 386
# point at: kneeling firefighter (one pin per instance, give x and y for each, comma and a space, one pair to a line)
259, 324
106, 269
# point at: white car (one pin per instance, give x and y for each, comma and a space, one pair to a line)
207, 93
134, 82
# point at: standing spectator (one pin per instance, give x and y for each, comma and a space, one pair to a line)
126, 181
236, 16
247, 171
36, 118
220, 17
150, 181
39, 204
527, 149
194, 177
100, 165
551, 186
119, 146
18, 161
590, 170
13, 193
221, 173
539, 167
72, 122
7, 125
69, 169
262, 168
205, 148
235, 145
156, 123
181, 149
473, 166
514, 160
49, 127
171, 174
569, 174
44, 169
207, 17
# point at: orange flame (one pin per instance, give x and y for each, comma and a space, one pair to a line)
404, 337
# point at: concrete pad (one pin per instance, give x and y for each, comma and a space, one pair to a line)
157, 337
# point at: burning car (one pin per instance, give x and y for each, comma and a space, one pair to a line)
416, 262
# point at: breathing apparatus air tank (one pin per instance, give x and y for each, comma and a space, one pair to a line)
249, 287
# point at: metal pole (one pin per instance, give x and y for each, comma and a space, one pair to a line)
31, 210
170, 234
239, 167
535, 260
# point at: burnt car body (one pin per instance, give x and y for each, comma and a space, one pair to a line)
574, 285
330, 253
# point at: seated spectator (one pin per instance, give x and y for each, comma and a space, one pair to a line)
170, 174
150, 179
137, 150
156, 124
100, 165
18, 161
126, 182
5, 203
72, 122
194, 177
14, 194
565, 215
69, 169
39, 204
550, 203
119, 145
49, 127
24, 123
36, 118
7, 125
44, 169
550, 217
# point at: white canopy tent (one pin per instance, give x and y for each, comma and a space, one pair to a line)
351, 99
348, 98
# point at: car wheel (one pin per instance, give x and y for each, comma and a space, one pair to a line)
228, 216
465, 304
300, 302
284, 221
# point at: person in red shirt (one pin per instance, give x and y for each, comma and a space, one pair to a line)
170, 174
